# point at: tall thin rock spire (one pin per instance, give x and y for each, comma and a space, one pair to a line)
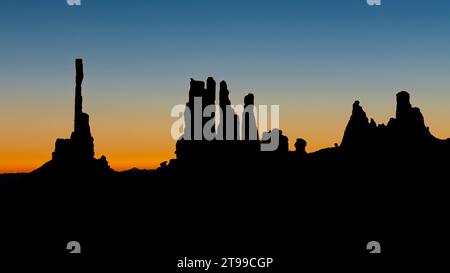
78, 97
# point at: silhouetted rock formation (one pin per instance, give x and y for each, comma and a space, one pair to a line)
210, 99
409, 125
300, 147
81, 143
406, 134
357, 131
283, 141
249, 130
228, 114
227, 149
199, 99
76, 155
197, 93
379, 176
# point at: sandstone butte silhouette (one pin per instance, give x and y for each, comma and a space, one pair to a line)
405, 137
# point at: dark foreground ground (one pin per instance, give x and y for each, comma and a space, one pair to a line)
309, 216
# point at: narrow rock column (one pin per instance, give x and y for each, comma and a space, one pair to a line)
78, 97
249, 130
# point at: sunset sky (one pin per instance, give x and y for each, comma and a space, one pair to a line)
311, 57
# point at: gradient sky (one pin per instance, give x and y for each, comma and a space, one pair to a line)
312, 57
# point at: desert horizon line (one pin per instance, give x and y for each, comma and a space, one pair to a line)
125, 167
82, 128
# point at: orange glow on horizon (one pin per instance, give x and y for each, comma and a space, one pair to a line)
147, 160
136, 134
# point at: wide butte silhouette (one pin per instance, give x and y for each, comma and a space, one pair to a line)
383, 182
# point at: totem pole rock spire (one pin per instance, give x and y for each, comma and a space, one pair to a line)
75, 155
81, 135
78, 97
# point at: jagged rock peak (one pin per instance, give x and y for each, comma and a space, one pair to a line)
249, 99
224, 94
403, 105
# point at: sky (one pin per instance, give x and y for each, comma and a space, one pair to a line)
313, 58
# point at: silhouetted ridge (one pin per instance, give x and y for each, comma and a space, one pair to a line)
405, 135
403, 139
383, 181
76, 155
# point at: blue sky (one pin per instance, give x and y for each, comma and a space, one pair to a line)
312, 57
